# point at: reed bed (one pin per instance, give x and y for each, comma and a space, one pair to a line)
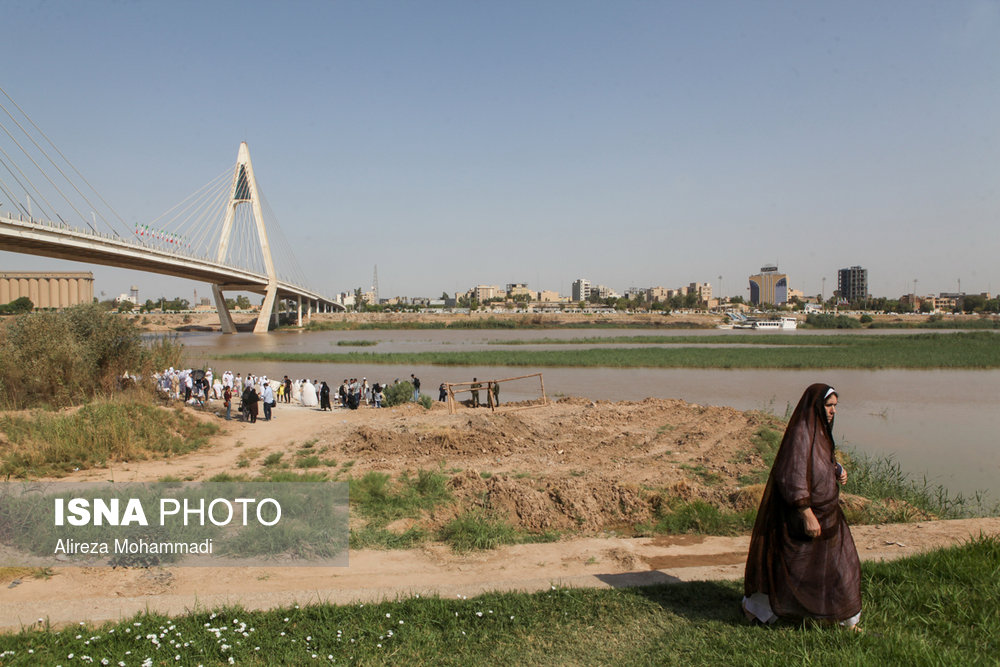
64, 358
973, 350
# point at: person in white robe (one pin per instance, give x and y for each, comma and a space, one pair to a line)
309, 398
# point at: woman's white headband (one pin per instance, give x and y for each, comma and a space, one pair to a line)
829, 391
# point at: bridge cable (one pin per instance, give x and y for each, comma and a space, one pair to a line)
61, 172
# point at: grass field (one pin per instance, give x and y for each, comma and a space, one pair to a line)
934, 609
121, 428
973, 350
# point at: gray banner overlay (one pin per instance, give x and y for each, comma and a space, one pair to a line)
238, 524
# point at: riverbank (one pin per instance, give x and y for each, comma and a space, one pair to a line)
952, 350
209, 321
590, 475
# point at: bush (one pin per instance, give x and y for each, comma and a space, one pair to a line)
827, 321
64, 358
866, 319
397, 394
17, 306
426, 401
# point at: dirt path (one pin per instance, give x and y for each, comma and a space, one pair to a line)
553, 467
102, 594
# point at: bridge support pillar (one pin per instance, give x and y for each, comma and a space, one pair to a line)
299, 310
263, 324
225, 319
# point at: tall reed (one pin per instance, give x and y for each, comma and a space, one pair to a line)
63, 358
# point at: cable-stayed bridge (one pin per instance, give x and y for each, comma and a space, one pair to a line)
225, 234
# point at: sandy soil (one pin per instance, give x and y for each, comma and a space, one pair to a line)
590, 468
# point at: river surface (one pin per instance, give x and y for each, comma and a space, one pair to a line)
935, 423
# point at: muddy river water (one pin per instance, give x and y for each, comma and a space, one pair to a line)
935, 423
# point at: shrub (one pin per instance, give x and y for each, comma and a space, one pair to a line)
63, 358
828, 321
20, 305
397, 394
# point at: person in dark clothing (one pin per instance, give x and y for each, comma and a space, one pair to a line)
250, 400
442, 393
415, 381
287, 395
324, 397
802, 562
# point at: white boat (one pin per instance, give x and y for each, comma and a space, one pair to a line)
782, 324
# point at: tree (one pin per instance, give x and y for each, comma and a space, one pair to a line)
360, 303
17, 306
973, 303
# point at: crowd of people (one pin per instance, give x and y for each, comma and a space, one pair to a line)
255, 394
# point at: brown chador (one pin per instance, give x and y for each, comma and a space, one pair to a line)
802, 561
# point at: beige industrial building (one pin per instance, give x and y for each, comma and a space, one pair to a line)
47, 290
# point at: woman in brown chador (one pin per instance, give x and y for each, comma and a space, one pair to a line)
802, 561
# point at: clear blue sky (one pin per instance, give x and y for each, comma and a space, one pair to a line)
460, 143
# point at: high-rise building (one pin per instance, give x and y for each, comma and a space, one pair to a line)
581, 289
769, 286
852, 283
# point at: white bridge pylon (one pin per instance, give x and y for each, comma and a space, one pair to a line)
244, 191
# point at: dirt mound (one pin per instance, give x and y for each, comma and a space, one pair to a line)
560, 504
573, 465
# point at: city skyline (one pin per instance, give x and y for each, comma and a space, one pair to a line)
453, 145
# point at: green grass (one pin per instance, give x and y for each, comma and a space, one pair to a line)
899, 497
357, 343
977, 350
934, 609
675, 516
478, 530
377, 497
103, 431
